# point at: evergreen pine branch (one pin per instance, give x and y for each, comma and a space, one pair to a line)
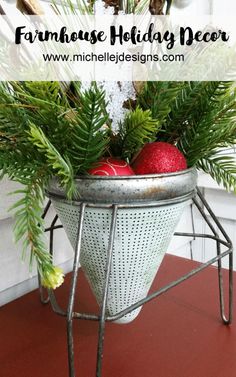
137, 129
216, 129
222, 169
43, 104
11, 115
18, 158
60, 165
159, 96
89, 138
47, 105
82, 114
192, 104
142, 7
40, 92
29, 228
74, 7
19, 170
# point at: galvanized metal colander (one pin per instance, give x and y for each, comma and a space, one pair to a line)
149, 210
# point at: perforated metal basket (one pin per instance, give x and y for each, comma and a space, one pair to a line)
144, 228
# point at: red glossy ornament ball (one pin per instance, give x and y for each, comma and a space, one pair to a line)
159, 157
111, 166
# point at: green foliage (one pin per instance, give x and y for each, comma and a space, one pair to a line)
209, 127
74, 7
199, 118
47, 129
59, 165
222, 169
43, 124
29, 224
89, 133
142, 7
137, 129
193, 103
159, 97
29, 228
215, 128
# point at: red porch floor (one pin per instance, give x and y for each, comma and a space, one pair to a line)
180, 334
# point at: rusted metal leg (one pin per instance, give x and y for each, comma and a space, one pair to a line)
226, 319
102, 319
70, 308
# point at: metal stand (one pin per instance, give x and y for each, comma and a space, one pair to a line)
218, 235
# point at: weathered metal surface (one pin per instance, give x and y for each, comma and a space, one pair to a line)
130, 189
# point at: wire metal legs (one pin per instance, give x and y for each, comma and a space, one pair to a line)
219, 262
218, 235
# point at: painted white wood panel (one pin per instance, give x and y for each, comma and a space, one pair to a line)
222, 203
224, 206
15, 277
6, 200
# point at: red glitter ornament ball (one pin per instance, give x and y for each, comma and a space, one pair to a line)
159, 157
111, 166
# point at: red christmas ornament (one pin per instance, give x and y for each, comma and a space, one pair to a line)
111, 166
159, 157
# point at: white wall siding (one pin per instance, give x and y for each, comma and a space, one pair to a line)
15, 277
223, 205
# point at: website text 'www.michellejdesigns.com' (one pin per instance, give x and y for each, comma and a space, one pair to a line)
113, 58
